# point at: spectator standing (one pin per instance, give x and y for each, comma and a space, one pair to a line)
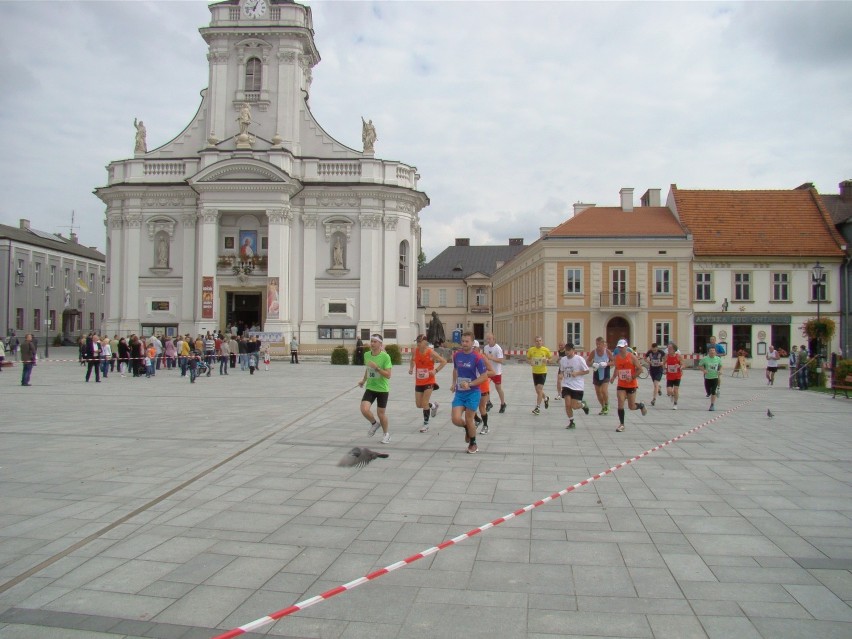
224, 356
294, 350
802, 365
28, 359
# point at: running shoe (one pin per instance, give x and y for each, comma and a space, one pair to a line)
425, 428
674, 407
620, 428
571, 425
605, 410
643, 409
502, 408
373, 428
654, 402
387, 438
536, 411
489, 405
484, 430
546, 401
434, 408
472, 449
477, 420
712, 407
585, 409
660, 392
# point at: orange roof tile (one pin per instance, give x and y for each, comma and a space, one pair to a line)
613, 222
772, 223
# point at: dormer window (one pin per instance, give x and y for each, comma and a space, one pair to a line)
253, 75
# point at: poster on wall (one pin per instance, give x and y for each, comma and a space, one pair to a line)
272, 298
248, 245
206, 297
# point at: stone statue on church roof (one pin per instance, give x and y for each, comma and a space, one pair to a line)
141, 133
368, 135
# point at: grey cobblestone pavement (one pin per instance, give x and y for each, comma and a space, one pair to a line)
159, 508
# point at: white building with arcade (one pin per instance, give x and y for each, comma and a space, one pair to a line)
253, 212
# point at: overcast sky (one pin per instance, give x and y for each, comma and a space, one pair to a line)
511, 111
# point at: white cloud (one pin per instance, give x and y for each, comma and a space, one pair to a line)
511, 111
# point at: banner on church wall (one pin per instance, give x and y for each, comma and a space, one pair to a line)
206, 297
272, 298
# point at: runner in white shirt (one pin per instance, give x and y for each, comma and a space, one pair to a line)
570, 383
494, 354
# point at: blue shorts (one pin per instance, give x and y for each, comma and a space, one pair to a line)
468, 399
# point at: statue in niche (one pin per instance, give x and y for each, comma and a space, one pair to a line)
162, 253
337, 254
141, 133
435, 330
368, 135
244, 118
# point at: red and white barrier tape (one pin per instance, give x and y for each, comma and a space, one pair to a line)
307, 603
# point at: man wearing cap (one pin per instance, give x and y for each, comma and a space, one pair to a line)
377, 372
539, 356
627, 368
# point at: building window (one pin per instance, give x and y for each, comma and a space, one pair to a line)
91, 321
819, 289
481, 296
103, 284
403, 263
67, 286
619, 287
662, 332
37, 319
19, 319
36, 273
780, 287
662, 281
573, 281
339, 332
51, 319
442, 297
253, 71
703, 287
459, 297
52, 277
424, 297
573, 334
742, 287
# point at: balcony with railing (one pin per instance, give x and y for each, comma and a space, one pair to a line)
620, 299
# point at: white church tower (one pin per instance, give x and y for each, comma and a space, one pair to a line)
253, 213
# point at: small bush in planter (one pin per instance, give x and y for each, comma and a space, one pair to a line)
340, 356
395, 354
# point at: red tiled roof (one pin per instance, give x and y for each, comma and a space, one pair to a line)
613, 222
772, 223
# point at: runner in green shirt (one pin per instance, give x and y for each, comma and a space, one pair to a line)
712, 367
377, 372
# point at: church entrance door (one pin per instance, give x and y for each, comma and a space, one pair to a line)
245, 307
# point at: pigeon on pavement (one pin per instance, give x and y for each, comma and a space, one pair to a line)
360, 457
769, 413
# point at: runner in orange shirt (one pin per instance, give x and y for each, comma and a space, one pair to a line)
422, 366
627, 368
484, 400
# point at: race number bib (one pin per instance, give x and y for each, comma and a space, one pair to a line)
625, 375
538, 361
423, 373
372, 372
673, 368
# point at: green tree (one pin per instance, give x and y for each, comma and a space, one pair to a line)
421, 260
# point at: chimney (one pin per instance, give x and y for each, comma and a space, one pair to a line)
626, 199
74, 237
651, 198
25, 224
462, 241
579, 207
516, 241
846, 191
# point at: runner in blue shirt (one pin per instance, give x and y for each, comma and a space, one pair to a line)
469, 371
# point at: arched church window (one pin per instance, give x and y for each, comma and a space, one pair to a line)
403, 263
253, 73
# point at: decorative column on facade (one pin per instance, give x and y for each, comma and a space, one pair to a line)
371, 271
286, 119
208, 247
117, 287
391, 272
132, 244
190, 302
216, 93
308, 324
279, 267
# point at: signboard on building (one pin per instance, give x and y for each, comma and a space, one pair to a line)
206, 297
159, 306
742, 318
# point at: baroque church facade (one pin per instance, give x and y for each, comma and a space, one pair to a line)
255, 214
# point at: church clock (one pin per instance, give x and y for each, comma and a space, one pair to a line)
254, 8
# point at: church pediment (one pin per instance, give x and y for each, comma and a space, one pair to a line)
240, 171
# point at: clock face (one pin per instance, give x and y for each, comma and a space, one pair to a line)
255, 8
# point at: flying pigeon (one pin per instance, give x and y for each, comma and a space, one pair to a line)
360, 457
769, 413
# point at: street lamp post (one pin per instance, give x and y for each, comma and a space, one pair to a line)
817, 272
46, 322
